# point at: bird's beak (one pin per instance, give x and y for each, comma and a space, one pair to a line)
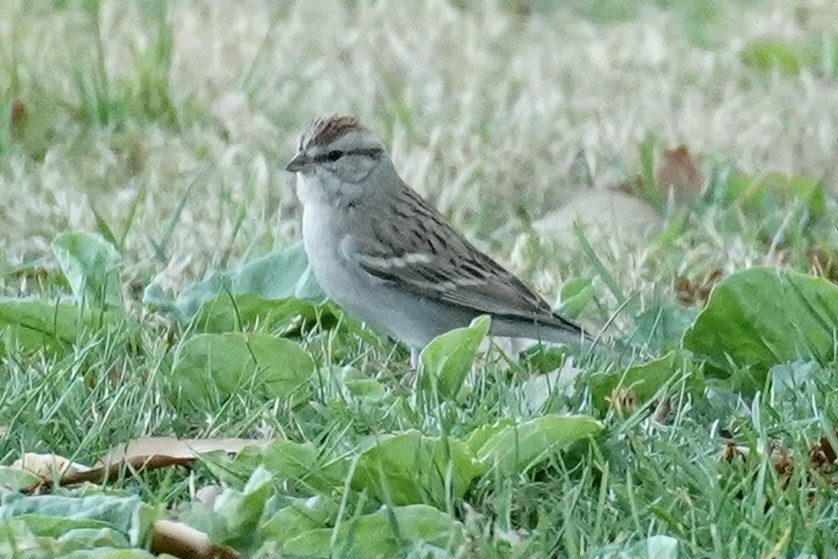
298, 164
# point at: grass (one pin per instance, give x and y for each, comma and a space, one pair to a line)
164, 129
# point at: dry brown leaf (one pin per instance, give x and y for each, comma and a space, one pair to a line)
632, 187
49, 466
180, 540
677, 172
823, 262
777, 453
623, 401
148, 453
731, 450
17, 115
620, 212
696, 292
823, 458
780, 459
156, 452
822, 455
662, 410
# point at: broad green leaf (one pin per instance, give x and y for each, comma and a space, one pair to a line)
226, 312
648, 188
127, 515
37, 325
411, 468
447, 359
54, 526
188, 303
241, 511
156, 298
301, 515
111, 553
793, 386
644, 380
538, 389
14, 479
104, 229
769, 197
382, 534
365, 388
355, 384
307, 287
305, 464
91, 538
546, 358
768, 54
658, 547
575, 296
827, 50
661, 327
212, 367
16, 535
91, 266
17, 540
282, 277
515, 449
482, 434
764, 316
278, 275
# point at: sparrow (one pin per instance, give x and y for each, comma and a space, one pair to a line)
391, 260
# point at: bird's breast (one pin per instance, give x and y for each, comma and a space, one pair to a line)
323, 233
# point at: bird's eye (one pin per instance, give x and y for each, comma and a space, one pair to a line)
334, 155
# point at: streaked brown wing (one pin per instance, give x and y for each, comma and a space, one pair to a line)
430, 258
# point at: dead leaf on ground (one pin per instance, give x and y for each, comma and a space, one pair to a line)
777, 454
823, 262
781, 459
675, 173
148, 453
623, 211
823, 455
17, 115
623, 401
662, 410
180, 540
3, 430
731, 450
697, 291
49, 466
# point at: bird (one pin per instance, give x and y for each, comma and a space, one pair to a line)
391, 260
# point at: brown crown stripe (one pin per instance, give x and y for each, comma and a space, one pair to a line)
325, 130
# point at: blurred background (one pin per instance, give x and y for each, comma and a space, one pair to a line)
165, 126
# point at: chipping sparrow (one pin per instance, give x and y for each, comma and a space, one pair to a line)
390, 259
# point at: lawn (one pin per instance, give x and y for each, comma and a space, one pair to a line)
172, 380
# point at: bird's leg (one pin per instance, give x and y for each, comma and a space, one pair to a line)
409, 378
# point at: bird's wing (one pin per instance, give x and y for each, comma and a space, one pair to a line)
430, 258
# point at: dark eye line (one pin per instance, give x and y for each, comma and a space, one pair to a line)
336, 154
